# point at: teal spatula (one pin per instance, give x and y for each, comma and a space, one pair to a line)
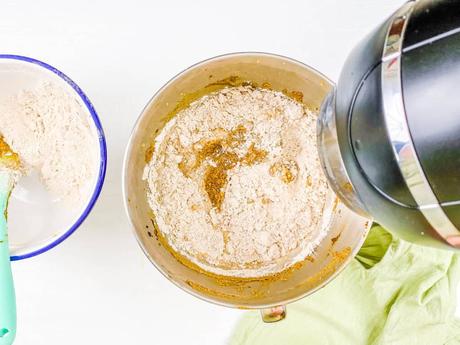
9, 173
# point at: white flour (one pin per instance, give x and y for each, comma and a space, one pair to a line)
236, 184
49, 130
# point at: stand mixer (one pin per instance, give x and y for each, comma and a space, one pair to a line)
389, 132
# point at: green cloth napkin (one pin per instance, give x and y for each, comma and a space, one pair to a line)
393, 292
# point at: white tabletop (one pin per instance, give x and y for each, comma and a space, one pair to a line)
97, 287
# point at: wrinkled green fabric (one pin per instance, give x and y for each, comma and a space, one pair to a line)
393, 292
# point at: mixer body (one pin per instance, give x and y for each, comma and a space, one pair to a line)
389, 133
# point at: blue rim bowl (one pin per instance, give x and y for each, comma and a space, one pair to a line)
102, 151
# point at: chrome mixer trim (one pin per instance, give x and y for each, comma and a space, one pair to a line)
331, 158
398, 130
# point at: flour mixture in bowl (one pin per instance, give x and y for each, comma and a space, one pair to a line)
235, 182
49, 130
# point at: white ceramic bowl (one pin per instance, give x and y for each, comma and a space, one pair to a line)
36, 221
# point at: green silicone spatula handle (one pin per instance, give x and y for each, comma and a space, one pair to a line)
7, 295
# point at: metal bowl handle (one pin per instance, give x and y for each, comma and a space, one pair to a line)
273, 314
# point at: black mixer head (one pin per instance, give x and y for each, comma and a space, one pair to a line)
390, 134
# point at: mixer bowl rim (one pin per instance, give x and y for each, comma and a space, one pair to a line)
127, 155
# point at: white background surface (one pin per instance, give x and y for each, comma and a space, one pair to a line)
97, 287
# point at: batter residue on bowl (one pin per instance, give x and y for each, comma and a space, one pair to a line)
235, 182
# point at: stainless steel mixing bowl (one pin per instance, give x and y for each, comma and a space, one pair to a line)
347, 230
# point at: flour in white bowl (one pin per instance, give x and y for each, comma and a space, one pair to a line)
235, 182
51, 132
